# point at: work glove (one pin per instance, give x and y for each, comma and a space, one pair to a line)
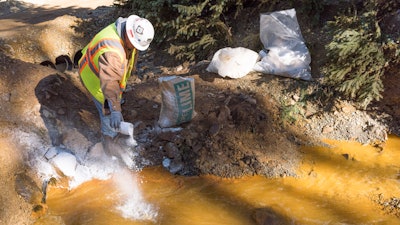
116, 119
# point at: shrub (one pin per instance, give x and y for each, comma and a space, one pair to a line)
356, 59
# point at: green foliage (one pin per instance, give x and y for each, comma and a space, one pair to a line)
199, 30
357, 62
293, 109
291, 113
193, 29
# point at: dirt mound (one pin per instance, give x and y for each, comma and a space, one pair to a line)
234, 133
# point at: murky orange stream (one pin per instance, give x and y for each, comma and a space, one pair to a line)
334, 186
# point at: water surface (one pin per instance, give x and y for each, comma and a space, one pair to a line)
337, 185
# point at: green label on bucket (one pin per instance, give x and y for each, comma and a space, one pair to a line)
184, 96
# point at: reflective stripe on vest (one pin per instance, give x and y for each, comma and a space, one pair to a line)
131, 65
101, 45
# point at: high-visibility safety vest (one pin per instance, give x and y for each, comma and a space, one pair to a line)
107, 40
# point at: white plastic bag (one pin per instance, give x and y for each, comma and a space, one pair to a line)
233, 62
285, 52
178, 98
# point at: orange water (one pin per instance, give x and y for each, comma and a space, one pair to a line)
330, 189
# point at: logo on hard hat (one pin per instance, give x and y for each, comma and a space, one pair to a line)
131, 33
139, 30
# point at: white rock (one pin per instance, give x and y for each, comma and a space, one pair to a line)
166, 162
66, 163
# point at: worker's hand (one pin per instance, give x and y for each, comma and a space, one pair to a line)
116, 119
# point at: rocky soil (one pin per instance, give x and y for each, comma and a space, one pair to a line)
240, 128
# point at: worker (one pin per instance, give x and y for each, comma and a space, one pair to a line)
106, 64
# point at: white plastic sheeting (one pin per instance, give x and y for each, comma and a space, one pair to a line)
233, 62
285, 52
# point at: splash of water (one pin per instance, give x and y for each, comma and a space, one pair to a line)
133, 205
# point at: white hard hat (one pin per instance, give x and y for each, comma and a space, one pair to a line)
139, 31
